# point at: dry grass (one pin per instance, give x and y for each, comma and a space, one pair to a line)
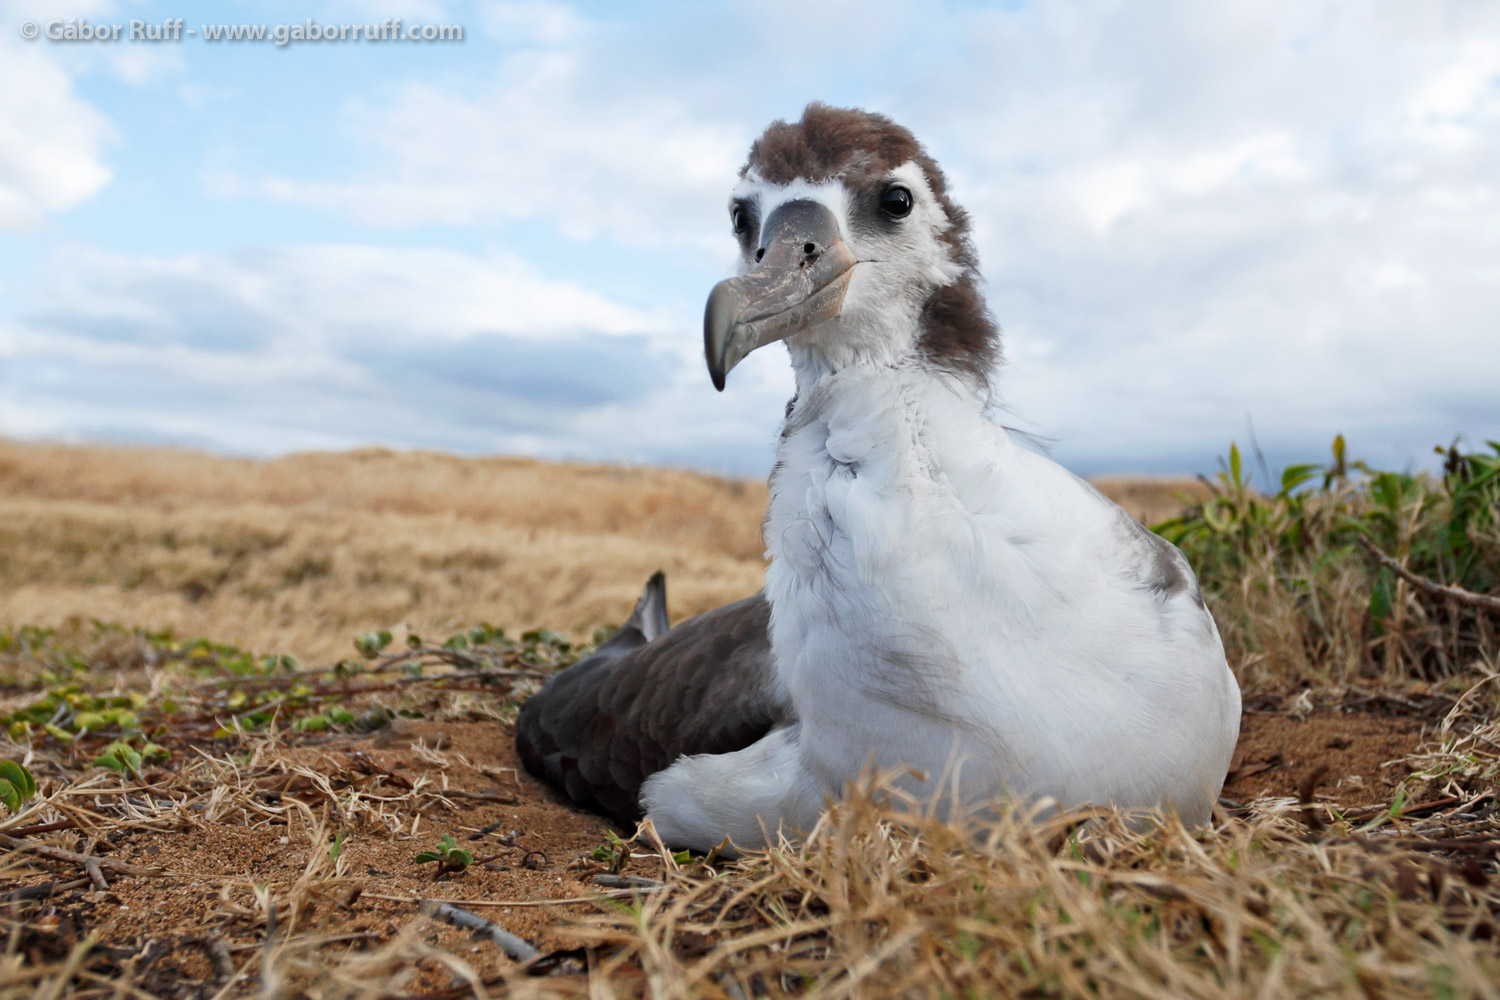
1284, 898
293, 554
1329, 892
876, 906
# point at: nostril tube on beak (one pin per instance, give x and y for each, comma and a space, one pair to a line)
809, 248
760, 255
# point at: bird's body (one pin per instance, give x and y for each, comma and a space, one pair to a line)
941, 599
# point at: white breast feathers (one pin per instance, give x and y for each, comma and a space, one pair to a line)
943, 596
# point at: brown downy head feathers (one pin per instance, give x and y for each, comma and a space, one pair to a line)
859, 148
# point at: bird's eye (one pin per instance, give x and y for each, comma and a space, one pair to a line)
896, 201
740, 219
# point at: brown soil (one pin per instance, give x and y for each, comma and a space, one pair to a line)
538, 848
1358, 755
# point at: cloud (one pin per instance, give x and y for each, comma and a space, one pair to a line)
1212, 213
333, 346
533, 22
546, 137
577, 372
51, 141
1189, 214
508, 155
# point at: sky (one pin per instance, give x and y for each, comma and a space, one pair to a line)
1195, 221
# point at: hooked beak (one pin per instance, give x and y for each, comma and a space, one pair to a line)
799, 282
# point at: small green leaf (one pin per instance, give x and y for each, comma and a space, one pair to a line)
120, 757
1220, 514
18, 776
1295, 475
91, 721
427, 857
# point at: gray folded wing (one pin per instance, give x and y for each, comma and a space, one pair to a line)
604, 725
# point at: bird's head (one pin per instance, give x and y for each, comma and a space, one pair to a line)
851, 251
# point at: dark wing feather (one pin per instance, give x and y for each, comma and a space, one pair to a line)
604, 725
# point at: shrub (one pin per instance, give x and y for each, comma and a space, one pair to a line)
1297, 594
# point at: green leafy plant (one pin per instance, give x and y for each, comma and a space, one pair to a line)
17, 786
614, 853
373, 718
121, 757
1290, 576
372, 644
449, 856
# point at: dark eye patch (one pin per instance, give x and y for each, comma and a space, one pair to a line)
744, 221
867, 216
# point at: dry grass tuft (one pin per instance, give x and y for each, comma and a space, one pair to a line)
1074, 905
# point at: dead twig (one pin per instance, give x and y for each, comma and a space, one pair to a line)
569, 901
517, 949
1456, 845
1415, 809
503, 798
73, 857
491, 828
1446, 591
628, 882
1306, 797
42, 890
95, 873
477, 670
26, 831
317, 939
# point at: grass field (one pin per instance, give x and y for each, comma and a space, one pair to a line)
292, 555
240, 814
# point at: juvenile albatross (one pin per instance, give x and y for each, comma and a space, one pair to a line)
938, 597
